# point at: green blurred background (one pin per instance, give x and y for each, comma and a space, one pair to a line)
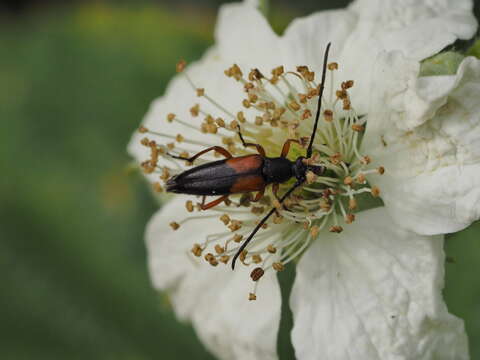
75, 80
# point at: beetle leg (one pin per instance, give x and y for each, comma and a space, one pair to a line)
275, 188
218, 149
286, 147
259, 195
213, 203
259, 147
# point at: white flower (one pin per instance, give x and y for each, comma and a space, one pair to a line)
372, 291
428, 130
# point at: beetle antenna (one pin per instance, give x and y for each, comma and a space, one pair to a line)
263, 221
322, 86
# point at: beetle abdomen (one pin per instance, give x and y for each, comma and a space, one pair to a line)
229, 176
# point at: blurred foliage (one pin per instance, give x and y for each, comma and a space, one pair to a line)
74, 84
445, 63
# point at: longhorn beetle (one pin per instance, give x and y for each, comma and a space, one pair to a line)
247, 173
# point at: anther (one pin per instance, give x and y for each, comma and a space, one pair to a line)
235, 225
246, 103
336, 229
332, 66
348, 180
208, 257
170, 117
142, 129
237, 238
241, 117
306, 114
352, 204
314, 230
220, 122
360, 179
257, 259
271, 249
347, 84
179, 138
200, 92
278, 266
174, 225
349, 218
294, 106
165, 174
257, 273
341, 94
181, 65
171, 146
219, 249
157, 187
381, 170
375, 191
258, 121
224, 259
225, 219
358, 128
311, 177
366, 160
278, 71
252, 297
195, 110
197, 250
328, 115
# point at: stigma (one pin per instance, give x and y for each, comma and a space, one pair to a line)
275, 107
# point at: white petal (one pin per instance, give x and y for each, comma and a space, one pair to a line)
426, 133
417, 28
305, 39
244, 36
179, 97
214, 299
374, 292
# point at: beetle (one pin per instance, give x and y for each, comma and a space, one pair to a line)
249, 173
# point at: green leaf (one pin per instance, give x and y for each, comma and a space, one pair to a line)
475, 49
441, 64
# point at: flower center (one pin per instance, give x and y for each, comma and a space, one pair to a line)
278, 108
